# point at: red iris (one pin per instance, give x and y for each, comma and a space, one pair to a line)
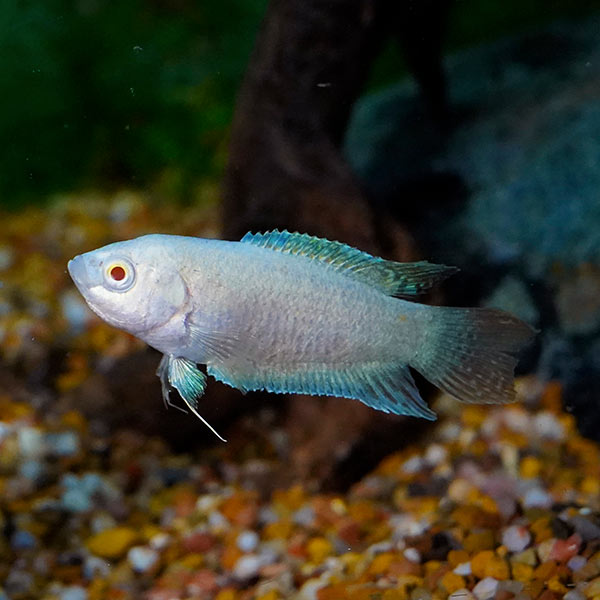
117, 273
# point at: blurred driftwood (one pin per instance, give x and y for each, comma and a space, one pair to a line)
285, 170
310, 63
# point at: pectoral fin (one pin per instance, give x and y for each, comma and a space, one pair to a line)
187, 379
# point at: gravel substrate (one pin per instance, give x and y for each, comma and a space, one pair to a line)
497, 502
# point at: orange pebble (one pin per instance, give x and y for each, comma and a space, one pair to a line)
230, 556
530, 467
554, 584
473, 416
452, 582
457, 557
489, 564
545, 570
381, 563
522, 572
406, 582
590, 485
481, 540
290, 499
278, 530
240, 508
552, 396
319, 548
479, 563
541, 529
226, 594
270, 595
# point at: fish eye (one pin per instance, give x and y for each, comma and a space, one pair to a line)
117, 272
119, 275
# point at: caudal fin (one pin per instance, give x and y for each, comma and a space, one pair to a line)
470, 352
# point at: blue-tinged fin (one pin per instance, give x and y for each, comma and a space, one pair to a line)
392, 278
470, 353
388, 387
226, 376
187, 379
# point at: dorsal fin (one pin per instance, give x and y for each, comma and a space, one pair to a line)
392, 278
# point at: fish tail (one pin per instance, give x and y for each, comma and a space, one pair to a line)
470, 352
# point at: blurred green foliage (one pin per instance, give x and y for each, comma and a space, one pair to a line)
103, 92
140, 92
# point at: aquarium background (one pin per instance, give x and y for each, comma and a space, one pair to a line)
121, 119
97, 94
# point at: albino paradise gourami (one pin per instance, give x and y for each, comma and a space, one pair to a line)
291, 313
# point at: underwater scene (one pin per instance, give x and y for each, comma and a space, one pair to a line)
300, 300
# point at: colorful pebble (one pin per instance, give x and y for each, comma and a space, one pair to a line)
497, 502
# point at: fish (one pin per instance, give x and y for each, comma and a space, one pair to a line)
293, 313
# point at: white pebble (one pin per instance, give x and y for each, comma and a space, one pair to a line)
31, 442
207, 503
516, 538
449, 431
334, 564
160, 541
408, 526
546, 425
247, 566
247, 541
413, 465
217, 521
435, 455
574, 595
76, 500
413, 555
310, 588
95, 566
92, 483
517, 420
142, 558
537, 498
486, 589
73, 592
463, 568
461, 594
379, 548
577, 562
508, 585
32, 469
489, 427
304, 516
101, 521
6, 257
267, 515
5, 430
64, 443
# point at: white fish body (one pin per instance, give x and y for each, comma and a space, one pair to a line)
291, 313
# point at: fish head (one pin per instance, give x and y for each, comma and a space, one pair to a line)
134, 285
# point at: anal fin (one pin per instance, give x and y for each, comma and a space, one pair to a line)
386, 387
224, 375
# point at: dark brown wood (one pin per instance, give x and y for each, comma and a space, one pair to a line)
285, 171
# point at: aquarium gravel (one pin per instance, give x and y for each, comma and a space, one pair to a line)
496, 502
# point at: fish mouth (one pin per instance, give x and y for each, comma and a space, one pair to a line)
79, 273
